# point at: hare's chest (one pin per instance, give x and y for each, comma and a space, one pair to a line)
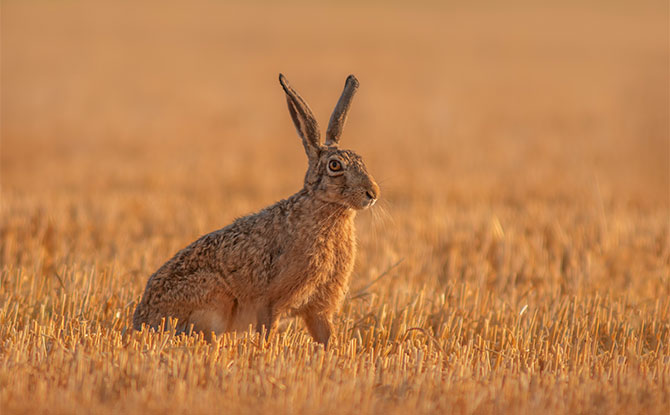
325, 265
331, 283
343, 257
336, 259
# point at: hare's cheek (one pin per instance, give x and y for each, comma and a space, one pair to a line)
337, 182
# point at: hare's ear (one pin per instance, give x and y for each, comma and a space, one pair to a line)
339, 117
304, 120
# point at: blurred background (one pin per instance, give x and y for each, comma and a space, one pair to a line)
130, 128
522, 149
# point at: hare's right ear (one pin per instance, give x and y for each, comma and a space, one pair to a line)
304, 120
339, 117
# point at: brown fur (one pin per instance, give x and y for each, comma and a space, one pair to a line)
296, 255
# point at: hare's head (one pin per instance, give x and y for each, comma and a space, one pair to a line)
333, 175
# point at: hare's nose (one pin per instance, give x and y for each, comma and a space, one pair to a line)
373, 192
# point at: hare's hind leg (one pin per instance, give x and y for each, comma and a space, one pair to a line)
245, 314
216, 317
158, 317
319, 325
254, 314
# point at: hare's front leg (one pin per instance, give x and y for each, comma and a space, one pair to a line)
267, 316
319, 325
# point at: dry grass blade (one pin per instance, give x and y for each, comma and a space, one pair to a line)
363, 291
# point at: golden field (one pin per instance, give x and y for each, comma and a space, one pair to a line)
519, 260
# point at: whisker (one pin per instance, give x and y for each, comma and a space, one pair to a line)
382, 214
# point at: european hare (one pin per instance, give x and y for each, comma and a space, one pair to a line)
296, 255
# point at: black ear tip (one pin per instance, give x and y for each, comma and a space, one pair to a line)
284, 83
351, 79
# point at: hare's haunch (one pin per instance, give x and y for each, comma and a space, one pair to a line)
296, 255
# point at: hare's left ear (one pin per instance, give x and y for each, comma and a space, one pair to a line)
304, 120
339, 117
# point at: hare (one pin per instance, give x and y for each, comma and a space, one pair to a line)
294, 256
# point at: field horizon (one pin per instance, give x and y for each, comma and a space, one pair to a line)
517, 261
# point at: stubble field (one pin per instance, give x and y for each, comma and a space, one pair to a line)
518, 261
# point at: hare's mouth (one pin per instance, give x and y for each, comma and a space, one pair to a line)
370, 198
367, 202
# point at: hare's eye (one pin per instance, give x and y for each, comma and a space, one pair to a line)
334, 165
